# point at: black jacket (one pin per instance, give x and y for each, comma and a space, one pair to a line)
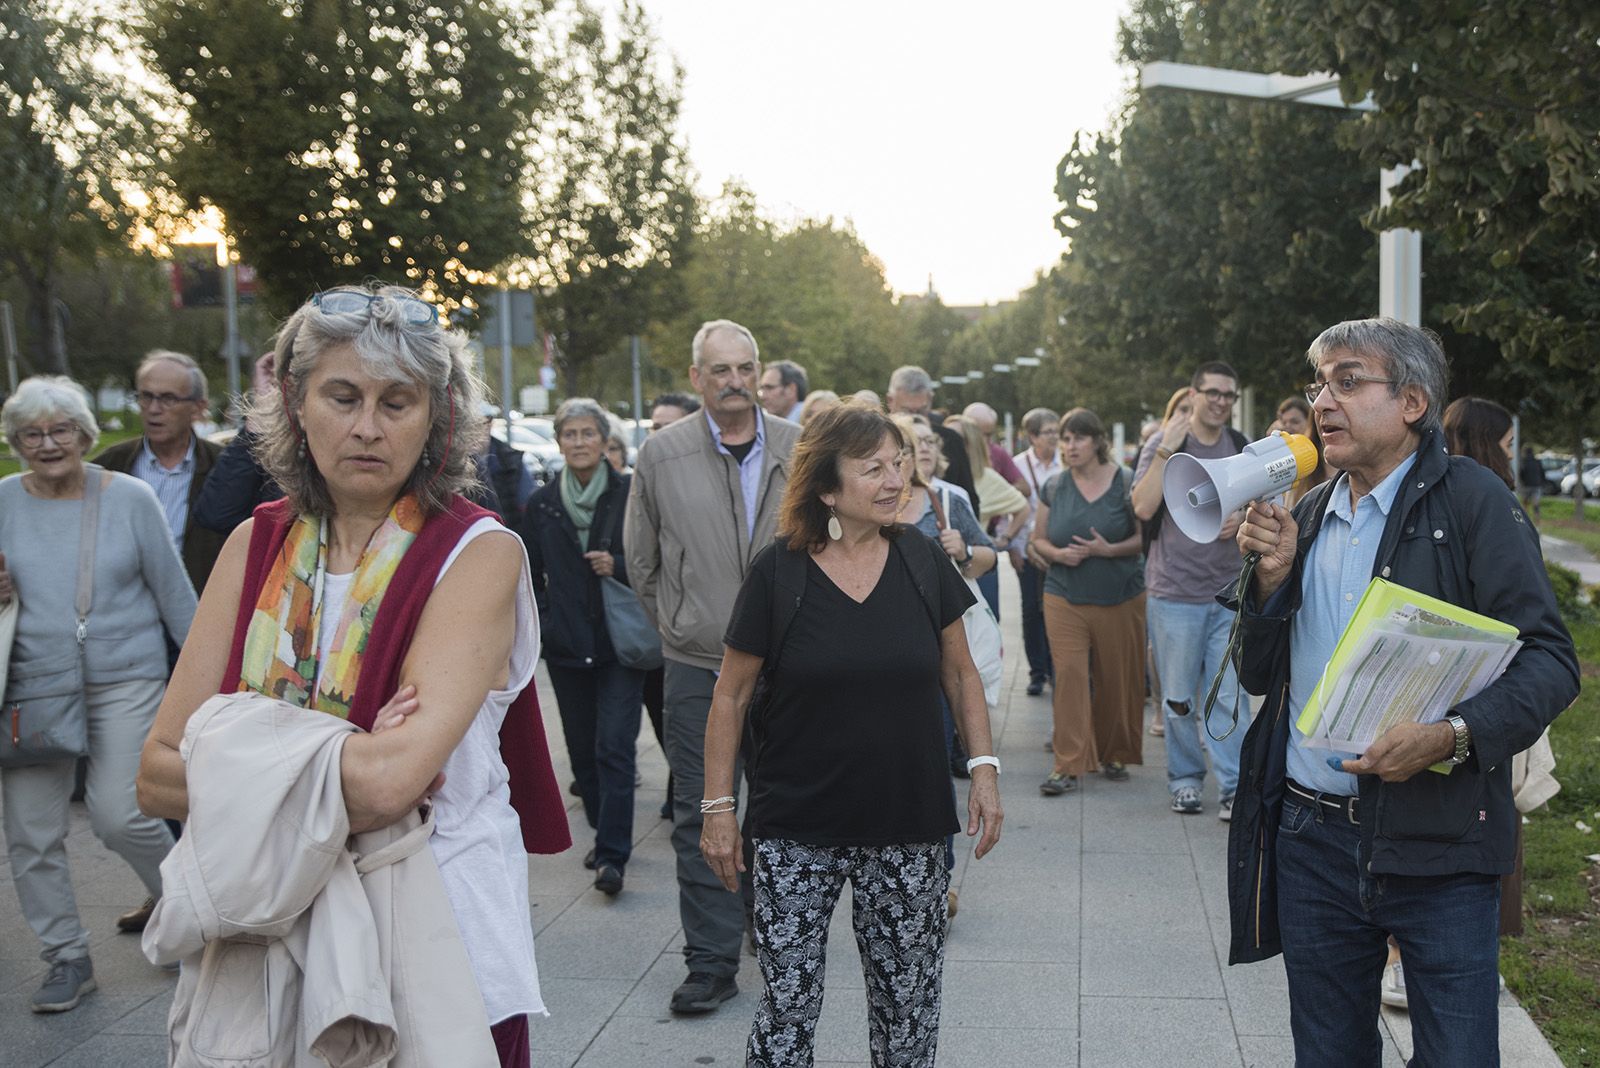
572, 618
1457, 533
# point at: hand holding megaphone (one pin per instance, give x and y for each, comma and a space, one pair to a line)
1200, 494
1270, 532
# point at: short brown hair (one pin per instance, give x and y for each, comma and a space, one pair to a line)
1083, 422
1213, 367
849, 431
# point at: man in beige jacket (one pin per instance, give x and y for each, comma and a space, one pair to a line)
704, 501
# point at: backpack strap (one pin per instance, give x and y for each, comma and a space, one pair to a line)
922, 568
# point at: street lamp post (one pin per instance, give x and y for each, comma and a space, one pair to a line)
1399, 251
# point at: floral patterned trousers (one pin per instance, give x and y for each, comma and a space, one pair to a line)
899, 919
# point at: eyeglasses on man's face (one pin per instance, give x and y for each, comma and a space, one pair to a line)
31, 437
1218, 396
147, 399
349, 302
1345, 385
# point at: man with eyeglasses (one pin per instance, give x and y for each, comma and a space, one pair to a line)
783, 389
171, 393
1188, 629
703, 501
1331, 853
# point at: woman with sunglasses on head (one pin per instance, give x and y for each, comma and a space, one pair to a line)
136, 588
375, 593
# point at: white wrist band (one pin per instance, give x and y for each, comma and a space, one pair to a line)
993, 762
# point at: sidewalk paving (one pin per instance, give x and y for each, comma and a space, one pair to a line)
1094, 934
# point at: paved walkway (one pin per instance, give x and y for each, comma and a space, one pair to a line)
1095, 934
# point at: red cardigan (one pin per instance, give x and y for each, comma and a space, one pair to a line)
535, 795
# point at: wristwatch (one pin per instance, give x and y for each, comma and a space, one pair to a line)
977, 761
1463, 740
967, 559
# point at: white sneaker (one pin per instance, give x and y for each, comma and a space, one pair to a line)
1392, 990
1225, 810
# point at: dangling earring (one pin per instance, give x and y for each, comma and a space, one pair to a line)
300, 450
427, 457
835, 531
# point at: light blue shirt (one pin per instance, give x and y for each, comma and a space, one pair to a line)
171, 485
1337, 570
749, 470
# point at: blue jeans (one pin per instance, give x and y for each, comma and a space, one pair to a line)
600, 717
1334, 918
1035, 644
1190, 641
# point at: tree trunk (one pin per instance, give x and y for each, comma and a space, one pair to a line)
47, 339
1577, 489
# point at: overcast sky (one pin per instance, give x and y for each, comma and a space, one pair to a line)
935, 126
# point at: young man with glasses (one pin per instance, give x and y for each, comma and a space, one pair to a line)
1188, 629
171, 393
1331, 853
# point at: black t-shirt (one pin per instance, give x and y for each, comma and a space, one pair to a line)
849, 750
741, 450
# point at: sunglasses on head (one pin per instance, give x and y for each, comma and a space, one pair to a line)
352, 302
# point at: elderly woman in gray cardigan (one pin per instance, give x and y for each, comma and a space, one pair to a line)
140, 588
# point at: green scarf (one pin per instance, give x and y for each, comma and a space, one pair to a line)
580, 500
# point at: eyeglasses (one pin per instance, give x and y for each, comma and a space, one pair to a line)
1216, 396
62, 434
352, 302
147, 399
1344, 386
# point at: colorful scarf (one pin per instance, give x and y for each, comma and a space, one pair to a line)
281, 657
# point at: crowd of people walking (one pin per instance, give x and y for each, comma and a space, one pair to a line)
798, 588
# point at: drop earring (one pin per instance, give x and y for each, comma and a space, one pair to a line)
835, 531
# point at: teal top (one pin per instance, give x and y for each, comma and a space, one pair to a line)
1098, 580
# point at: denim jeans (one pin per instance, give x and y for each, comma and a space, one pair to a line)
600, 717
1334, 918
1035, 644
1190, 640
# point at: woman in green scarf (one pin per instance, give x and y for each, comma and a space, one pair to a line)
573, 530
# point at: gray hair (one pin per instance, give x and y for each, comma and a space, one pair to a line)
583, 408
1037, 419
792, 374
716, 325
1411, 355
43, 396
910, 379
392, 348
197, 378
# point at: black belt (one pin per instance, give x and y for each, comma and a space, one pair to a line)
1340, 803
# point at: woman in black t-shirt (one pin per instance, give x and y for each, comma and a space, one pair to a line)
852, 625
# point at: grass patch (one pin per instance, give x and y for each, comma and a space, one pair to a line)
1554, 966
1556, 520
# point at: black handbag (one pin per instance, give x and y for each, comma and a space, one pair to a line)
46, 707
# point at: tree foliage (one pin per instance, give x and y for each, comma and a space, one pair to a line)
612, 199
810, 292
348, 140
79, 147
1498, 104
1206, 228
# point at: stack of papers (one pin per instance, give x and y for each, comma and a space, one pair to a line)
1405, 658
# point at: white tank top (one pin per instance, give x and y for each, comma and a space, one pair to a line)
477, 838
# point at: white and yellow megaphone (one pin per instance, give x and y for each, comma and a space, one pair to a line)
1199, 494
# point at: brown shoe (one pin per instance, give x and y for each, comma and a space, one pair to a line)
951, 904
133, 922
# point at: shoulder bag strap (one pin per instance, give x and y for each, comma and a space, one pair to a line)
940, 502
86, 541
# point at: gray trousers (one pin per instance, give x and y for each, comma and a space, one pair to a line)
713, 919
35, 817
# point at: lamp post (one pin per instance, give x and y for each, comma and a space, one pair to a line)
1399, 251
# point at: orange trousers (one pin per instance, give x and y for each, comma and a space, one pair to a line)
1106, 643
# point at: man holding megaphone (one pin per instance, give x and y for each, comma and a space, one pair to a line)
1188, 628
1328, 855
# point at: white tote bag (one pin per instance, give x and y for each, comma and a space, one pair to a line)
983, 630
8, 633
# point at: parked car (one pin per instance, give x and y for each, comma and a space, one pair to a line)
1554, 467
536, 440
1591, 480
